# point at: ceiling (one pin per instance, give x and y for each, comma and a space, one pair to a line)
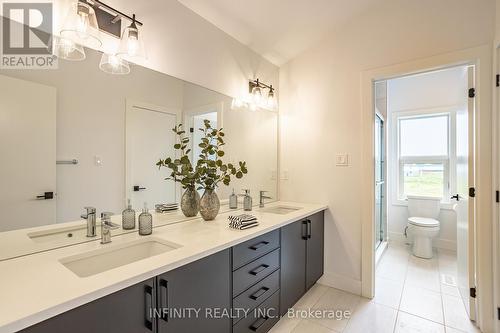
278, 30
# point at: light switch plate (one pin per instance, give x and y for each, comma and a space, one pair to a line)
342, 160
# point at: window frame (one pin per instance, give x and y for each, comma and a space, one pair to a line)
398, 161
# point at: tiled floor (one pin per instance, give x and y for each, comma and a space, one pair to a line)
410, 297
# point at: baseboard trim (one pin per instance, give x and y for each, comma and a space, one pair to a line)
439, 243
341, 282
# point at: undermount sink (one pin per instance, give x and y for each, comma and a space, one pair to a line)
281, 210
59, 234
98, 261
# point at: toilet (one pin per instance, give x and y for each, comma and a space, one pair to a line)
423, 224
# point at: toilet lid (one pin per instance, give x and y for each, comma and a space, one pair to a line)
423, 222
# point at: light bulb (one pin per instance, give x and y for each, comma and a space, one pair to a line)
257, 96
272, 103
82, 23
114, 61
132, 45
113, 64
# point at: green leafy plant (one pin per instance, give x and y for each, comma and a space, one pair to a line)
210, 166
182, 169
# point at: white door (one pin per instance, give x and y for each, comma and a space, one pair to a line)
465, 206
28, 150
149, 138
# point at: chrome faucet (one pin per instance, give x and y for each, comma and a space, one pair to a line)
106, 227
262, 197
90, 217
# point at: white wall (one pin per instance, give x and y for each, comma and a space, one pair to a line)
446, 88
320, 96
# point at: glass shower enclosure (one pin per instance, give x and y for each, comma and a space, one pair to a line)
380, 184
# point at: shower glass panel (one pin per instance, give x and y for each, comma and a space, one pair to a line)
380, 214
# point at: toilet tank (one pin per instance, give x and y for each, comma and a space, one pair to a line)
423, 206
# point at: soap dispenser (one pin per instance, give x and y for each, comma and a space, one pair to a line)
128, 217
145, 222
233, 201
247, 201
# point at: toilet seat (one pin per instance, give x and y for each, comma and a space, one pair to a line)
423, 222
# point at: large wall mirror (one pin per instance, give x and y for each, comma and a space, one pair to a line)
76, 137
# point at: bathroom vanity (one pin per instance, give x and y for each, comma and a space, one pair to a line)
97, 141
203, 266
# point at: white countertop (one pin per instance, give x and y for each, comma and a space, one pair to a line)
36, 287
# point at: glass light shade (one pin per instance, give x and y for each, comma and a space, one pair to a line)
132, 44
66, 49
272, 103
257, 98
81, 25
113, 64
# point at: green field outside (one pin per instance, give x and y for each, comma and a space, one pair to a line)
426, 183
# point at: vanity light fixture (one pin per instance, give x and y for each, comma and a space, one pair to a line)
84, 22
81, 25
131, 43
257, 98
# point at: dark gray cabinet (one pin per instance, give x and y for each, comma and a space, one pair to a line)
204, 285
302, 248
315, 249
293, 264
264, 274
201, 285
125, 311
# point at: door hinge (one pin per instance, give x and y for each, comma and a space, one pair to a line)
498, 80
497, 196
472, 192
473, 292
472, 92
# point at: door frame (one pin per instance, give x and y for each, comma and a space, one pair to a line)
129, 105
481, 58
202, 109
496, 182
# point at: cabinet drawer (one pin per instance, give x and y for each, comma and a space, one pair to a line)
255, 271
262, 318
256, 294
246, 252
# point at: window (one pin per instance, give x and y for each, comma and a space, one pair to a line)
423, 155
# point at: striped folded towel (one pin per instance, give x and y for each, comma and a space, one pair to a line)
163, 208
243, 221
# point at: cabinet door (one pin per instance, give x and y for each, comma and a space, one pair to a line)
125, 311
203, 286
315, 248
293, 264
